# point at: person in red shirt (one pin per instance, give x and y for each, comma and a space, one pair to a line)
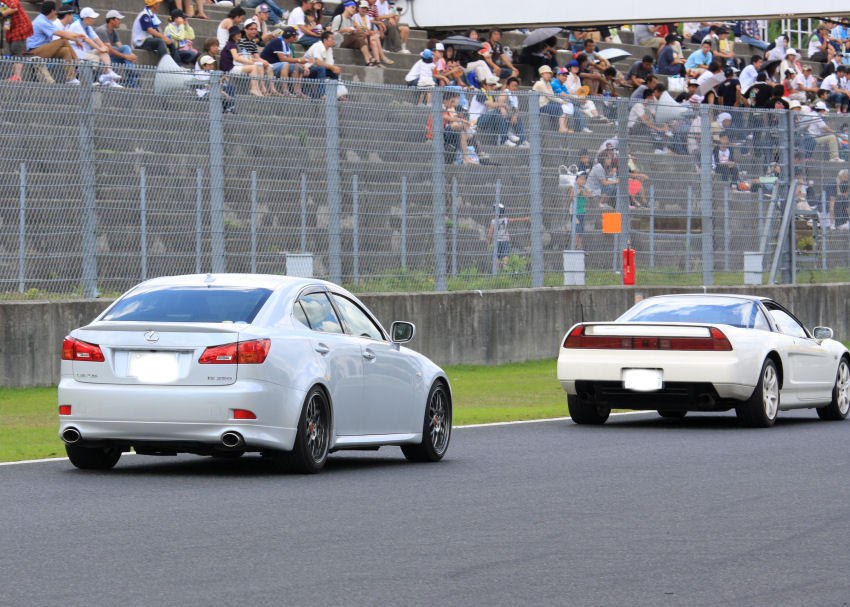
20, 28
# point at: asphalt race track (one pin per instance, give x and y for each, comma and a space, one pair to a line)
641, 511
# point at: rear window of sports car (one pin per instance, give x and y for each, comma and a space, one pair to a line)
191, 304
736, 313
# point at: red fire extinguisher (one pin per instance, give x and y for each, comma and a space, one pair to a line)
628, 266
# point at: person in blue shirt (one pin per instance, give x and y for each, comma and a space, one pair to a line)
668, 63
698, 61
41, 43
279, 53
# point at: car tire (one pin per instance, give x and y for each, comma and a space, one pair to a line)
761, 409
586, 411
310, 452
436, 428
672, 413
840, 405
93, 458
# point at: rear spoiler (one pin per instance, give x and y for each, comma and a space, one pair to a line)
164, 327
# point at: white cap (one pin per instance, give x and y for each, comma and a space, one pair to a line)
820, 105
88, 12
794, 104
206, 60
248, 22
790, 51
492, 79
439, 47
113, 14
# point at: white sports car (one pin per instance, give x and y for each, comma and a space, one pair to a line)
679, 353
221, 364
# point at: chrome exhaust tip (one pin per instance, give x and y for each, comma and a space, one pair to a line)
232, 440
71, 436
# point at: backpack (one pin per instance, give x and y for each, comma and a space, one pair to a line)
736, 29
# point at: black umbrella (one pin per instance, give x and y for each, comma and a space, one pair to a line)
462, 43
540, 34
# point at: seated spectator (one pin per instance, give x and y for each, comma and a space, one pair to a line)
320, 59
833, 60
515, 126
550, 103
822, 133
749, 75
637, 186
668, 63
348, 35
818, 43
840, 36
19, 29
273, 11
364, 26
421, 74
723, 159
248, 48
597, 62
791, 91
454, 70
637, 94
206, 64
566, 85
146, 33
211, 49
396, 34
488, 111
442, 76
648, 35
41, 42
836, 93
233, 63
838, 196
729, 91
456, 130
640, 71
590, 75
725, 52
278, 52
806, 82
190, 10
690, 92
297, 18
641, 122
602, 180
262, 15
790, 62
90, 48
614, 79
542, 53
183, 36
698, 61
750, 34
119, 54
497, 59
235, 17
712, 73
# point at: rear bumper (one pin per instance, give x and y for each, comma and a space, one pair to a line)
181, 417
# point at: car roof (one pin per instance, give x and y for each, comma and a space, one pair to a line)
714, 295
268, 281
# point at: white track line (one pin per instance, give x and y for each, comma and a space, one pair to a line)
523, 421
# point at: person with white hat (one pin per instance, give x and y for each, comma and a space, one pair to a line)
805, 82
550, 103
822, 133
363, 22
790, 62
90, 48
119, 53
390, 17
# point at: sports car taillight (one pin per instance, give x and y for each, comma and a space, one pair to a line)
252, 352
578, 338
74, 349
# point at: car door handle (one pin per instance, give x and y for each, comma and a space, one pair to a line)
368, 355
322, 349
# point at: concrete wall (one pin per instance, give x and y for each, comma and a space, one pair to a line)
470, 327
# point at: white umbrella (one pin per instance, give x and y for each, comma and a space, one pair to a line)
710, 83
667, 110
613, 54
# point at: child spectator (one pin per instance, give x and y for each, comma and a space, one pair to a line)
183, 36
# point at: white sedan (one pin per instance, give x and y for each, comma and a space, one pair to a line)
223, 364
680, 353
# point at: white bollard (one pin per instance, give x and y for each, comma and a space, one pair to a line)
753, 268
573, 268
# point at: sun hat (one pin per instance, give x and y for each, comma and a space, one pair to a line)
543, 69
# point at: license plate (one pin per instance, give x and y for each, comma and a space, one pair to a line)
153, 367
642, 380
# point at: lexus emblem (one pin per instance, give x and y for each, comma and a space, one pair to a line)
152, 336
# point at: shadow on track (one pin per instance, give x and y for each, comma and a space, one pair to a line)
702, 421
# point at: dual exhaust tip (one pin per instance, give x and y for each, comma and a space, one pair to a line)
231, 440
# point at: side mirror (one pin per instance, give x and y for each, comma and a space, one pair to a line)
822, 333
402, 332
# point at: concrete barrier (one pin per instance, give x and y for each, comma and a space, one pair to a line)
459, 327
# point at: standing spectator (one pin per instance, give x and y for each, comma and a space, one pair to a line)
750, 34
182, 35
320, 58
578, 196
41, 42
278, 52
422, 75
363, 24
550, 103
248, 48
647, 35
233, 63
306, 36
502, 243
640, 71
146, 33
698, 61
668, 63
749, 74
119, 54
499, 62
818, 43
19, 29
235, 17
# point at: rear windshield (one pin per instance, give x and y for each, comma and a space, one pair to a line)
191, 304
736, 313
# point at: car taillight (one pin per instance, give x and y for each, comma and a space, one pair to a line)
716, 342
74, 349
252, 352
64, 409
243, 414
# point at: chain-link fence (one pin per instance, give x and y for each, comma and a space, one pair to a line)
385, 188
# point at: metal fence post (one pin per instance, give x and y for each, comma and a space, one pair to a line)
651, 226
622, 239
688, 231
824, 213
89, 248
789, 274
494, 240
404, 221
454, 227
571, 217
198, 207
219, 263
22, 228
303, 213
726, 229
253, 222
706, 190
438, 187
332, 172
355, 245
535, 155
143, 220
